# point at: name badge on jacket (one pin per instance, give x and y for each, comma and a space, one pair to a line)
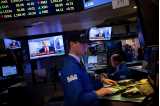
71, 78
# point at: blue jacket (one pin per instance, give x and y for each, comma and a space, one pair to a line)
78, 90
122, 72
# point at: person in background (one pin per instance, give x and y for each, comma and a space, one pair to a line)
78, 89
128, 51
121, 71
140, 54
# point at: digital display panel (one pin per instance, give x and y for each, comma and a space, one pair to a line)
45, 47
13, 9
12, 44
103, 33
9, 70
93, 3
92, 59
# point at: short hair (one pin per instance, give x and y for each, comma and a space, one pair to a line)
117, 57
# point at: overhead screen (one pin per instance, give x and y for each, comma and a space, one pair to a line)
13, 9
93, 3
103, 33
45, 47
12, 44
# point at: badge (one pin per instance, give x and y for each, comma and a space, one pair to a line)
71, 78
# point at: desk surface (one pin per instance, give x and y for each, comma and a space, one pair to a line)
20, 84
97, 67
134, 62
123, 99
138, 68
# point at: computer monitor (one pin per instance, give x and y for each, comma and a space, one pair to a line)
46, 47
92, 60
9, 71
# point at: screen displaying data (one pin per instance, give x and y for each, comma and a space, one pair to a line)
13, 9
9, 70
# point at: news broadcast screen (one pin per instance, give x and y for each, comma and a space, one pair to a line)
12, 44
103, 33
9, 70
45, 47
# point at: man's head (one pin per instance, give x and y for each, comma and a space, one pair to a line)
45, 43
13, 42
116, 59
78, 44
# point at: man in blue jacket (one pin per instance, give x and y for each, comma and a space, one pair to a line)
78, 89
121, 71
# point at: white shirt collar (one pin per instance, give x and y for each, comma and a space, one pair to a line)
74, 56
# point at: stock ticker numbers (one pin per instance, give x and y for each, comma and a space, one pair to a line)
13, 9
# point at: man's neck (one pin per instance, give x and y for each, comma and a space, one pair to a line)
75, 56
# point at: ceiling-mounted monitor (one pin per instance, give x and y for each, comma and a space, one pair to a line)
46, 47
11, 44
103, 33
94, 3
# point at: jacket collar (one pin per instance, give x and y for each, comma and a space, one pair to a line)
75, 57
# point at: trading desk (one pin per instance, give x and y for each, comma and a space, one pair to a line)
119, 98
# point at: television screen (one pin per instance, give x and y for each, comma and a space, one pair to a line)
45, 47
12, 44
93, 3
9, 70
103, 33
92, 59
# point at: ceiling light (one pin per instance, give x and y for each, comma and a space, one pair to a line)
135, 7
38, 23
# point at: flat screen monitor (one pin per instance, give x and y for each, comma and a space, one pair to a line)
93, 3
9, 70
92, 59
46, 47
12, 44
103, 33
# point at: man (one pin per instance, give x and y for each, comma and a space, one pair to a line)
78, 89
121, 70
14, 44
46, 49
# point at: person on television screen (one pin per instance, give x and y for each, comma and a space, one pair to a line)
100, 34
107, 35
46, 49
14, 44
